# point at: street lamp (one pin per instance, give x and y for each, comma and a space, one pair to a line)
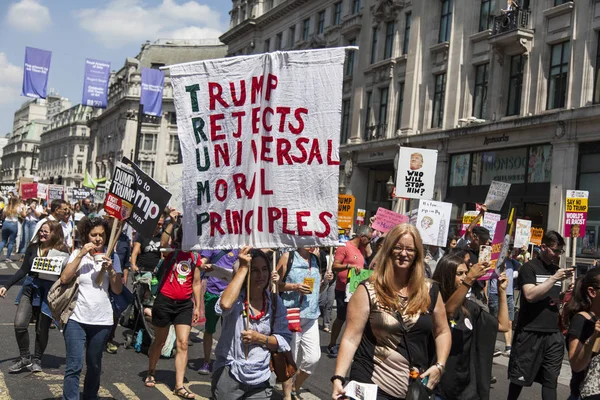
390, 185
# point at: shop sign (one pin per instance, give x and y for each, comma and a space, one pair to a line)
495, 139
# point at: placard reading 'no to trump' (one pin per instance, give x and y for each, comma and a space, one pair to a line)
260, 144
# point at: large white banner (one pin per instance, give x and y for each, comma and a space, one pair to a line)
260, 142
415, 178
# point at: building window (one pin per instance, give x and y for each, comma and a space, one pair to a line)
400, 104
459, 170
374, 45
367, 115
445, 21
407, 33
79, 166
305, 28
390, 27
268, 5
438, 101
321, 22
292, 36
515, 84
350, 58
147, 167
148, 142
559, 69
345, 131
267, 45
174, 144
383, 108
83, 131
81, 148
597, 73
481, 85
559, 2
355, 6
485, 14
278, 41
337, 14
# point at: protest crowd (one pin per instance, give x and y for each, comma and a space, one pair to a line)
419, 320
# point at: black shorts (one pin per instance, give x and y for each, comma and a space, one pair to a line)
341, 305
536, 357
166, 311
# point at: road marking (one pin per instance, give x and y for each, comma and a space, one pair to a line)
128, 393
192, 383
166, 391
56, 390
4, 395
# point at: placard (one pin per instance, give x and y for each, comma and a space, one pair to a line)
576, 210
42, 191
497, 243
360, 216
536, 236
496, 196
467, 219
7, 187
522, 233
490, 220
120, 196
29, 190
345, 210
415, 178
149, 202
355, 279
433, 221
385, 220
55, 192
260, 148
80, 193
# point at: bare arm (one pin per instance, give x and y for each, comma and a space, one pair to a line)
289, 287
503, 321
476, 220
534, 293
137, 249
70, 270
166, 235
114, 279
443, 342
232, 291
196, 286
458, 297
580, 353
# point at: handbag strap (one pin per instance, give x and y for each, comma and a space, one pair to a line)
403, 329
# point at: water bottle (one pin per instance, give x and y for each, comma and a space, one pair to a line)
154, 286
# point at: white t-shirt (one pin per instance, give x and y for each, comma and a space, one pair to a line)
31, 216
93, 304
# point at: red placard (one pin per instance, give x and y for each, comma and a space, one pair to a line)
29, 190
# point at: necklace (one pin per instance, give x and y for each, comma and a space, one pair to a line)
261, 314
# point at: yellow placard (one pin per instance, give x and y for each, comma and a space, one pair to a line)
536, 236
577, 204
345, 210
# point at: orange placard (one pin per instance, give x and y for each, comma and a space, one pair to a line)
345, 210
536, 236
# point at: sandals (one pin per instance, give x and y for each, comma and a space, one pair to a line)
150, 381
184, 393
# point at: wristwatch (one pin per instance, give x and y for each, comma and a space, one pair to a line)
340, 378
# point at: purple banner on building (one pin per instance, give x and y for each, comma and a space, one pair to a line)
95, 83
153, 81
35, 72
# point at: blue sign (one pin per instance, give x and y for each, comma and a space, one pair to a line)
95, 83
35, 72
153, 81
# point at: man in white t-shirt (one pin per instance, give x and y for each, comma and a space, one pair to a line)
59, 211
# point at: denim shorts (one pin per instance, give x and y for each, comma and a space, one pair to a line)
493, 305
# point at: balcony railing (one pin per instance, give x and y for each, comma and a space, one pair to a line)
511, 20
376, 132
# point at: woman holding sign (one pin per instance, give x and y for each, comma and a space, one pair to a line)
91, 321
33, 296
394, 318
473, 329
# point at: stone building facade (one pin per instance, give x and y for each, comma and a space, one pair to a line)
114, 130
502, 93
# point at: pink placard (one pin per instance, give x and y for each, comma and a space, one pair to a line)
386, 220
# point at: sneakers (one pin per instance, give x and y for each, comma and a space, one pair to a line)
205, 369
506, 352
22, 364
497, 353
36, 366
111, 348
333, 351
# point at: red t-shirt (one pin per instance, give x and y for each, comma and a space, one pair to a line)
177, 282
349, 254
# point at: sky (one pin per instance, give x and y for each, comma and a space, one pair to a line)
100, 29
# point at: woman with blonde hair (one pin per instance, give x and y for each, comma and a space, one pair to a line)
10, 227
394, 319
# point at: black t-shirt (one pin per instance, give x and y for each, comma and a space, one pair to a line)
149, 254
542, 315
580, 328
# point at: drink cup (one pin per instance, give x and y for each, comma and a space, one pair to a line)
99, 258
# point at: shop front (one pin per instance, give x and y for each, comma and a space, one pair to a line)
588, 178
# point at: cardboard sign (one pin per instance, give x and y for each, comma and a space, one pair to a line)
386, 220
7, 187
490, 220
536, 236
522, 233
496, 196
354, 280
345, 210
29, 190
360, 216
415, 178
42, 191
260, 148
80, 193
497, 242
149, 202
576, 210
120, 196
468, 217
21, 182
433, 222
56, 192
174, 179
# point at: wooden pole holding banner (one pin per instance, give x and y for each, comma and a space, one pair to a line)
273, 269
330, 261
117, 226
248, 310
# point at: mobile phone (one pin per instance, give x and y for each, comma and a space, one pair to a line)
485, 254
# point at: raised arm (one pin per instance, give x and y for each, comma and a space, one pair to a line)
232, 291
70, 270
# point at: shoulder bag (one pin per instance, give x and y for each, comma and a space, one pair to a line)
282, 363
63, 297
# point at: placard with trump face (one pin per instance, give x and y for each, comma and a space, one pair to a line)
415, 178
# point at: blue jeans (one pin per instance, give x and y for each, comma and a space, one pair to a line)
80, 339
9, 234
26, 235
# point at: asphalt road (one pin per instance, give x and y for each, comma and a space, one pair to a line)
122, 373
